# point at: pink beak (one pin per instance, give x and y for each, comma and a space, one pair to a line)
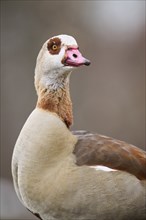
75, 58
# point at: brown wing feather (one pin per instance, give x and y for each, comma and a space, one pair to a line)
95, 149
36, 214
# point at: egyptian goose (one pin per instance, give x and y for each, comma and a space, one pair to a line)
55, 171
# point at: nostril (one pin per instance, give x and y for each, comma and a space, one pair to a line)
74, 55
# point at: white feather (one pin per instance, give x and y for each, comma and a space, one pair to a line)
104, 168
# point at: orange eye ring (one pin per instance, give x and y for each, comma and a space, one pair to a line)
54, 47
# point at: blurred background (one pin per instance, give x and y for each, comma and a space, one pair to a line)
108, 96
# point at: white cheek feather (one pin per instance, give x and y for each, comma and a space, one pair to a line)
53, 62
103, 168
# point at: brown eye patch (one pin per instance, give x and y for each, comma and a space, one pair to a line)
54, 45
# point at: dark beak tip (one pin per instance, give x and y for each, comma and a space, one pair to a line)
87, 62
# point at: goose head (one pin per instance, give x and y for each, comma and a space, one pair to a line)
57, 58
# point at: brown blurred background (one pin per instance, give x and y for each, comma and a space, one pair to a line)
108, 96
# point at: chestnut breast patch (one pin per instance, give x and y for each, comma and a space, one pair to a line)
54, 45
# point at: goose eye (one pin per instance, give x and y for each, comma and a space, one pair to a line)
54, 47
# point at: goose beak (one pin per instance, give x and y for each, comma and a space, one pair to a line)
74, 58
